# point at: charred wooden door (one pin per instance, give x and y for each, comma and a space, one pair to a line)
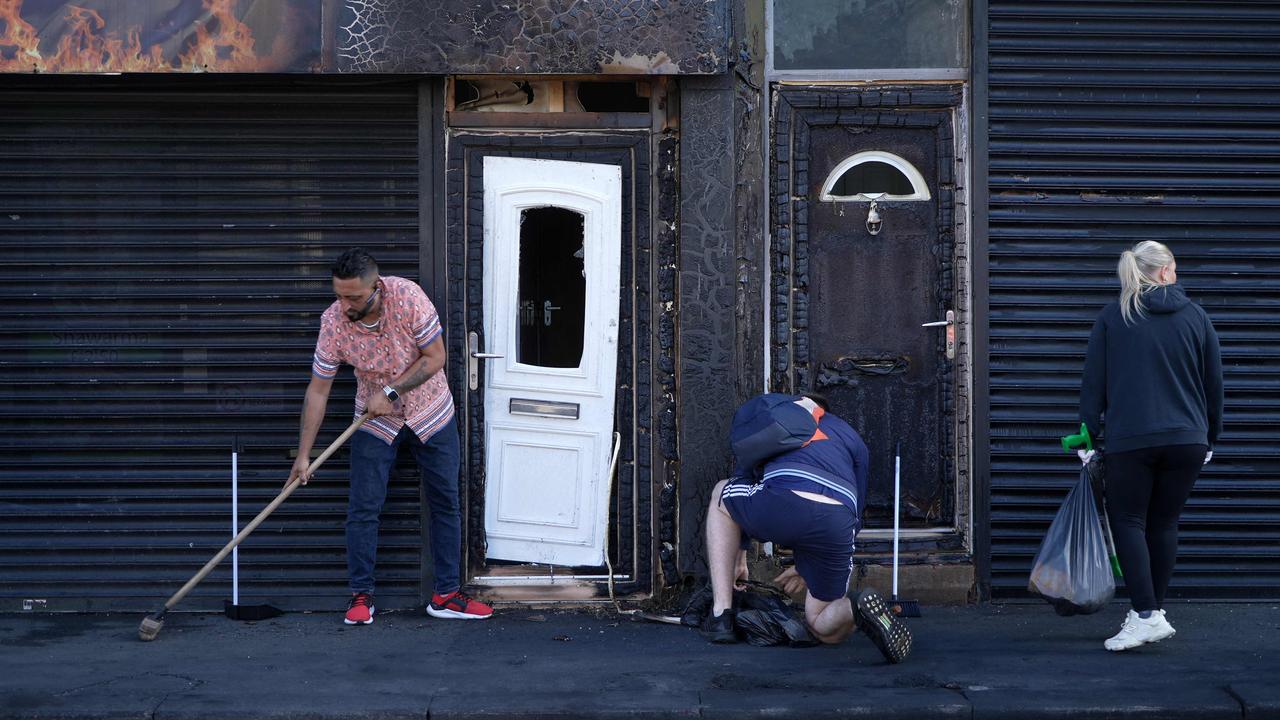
852, 295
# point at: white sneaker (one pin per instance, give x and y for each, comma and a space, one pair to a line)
1138, 631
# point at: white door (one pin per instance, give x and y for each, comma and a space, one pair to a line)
552, 251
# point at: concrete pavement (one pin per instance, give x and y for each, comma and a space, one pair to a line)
990, 661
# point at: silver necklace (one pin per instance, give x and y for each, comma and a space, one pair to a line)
370, 326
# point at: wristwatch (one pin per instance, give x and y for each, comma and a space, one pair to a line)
391, 393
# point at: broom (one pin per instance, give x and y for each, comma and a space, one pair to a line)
153, 623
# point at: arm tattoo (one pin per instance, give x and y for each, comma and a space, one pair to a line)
414, 376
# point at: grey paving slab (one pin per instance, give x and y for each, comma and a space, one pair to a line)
1261, 701
371, 703
583, 704
847, 702
1148, 701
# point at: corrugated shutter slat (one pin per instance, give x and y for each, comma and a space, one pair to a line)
167, 243
1111, 123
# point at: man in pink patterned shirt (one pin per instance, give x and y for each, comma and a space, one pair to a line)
386, 328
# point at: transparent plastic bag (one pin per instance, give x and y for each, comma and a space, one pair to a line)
1097, 471
1072, 570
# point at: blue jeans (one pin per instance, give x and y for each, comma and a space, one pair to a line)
371, 461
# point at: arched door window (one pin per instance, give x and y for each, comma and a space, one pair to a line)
874, 175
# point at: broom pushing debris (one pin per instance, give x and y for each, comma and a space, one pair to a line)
153, 623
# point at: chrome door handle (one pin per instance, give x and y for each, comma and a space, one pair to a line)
547, 307
950, 325
474, 356
951, 320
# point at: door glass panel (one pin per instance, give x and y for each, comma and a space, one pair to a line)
553, 288
871, 178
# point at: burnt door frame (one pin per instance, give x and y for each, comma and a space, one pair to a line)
638, 367
796, 109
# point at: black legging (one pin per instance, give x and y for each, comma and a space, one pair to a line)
1146, 490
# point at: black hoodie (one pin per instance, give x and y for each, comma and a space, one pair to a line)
1159, 380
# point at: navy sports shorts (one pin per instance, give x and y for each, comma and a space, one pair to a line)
820, 535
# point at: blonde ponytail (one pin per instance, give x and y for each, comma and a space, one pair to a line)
1137, 270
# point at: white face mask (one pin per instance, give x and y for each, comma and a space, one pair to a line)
807, 404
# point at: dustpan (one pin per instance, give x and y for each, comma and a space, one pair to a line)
232, 608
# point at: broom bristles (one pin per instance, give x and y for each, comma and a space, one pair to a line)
905, 608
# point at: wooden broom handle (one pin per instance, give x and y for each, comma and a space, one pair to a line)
253, 524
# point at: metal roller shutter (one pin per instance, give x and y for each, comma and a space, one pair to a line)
1110, 123
166, 244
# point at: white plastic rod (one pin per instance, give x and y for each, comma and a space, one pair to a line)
235, 523
897, 474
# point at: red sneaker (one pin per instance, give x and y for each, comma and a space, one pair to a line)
360, 611
459, 606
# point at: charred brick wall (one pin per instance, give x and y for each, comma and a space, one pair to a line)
722, 257
707, 371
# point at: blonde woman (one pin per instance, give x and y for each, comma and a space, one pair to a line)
1152, 390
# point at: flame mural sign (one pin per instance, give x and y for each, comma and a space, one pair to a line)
97, 36
630, 37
